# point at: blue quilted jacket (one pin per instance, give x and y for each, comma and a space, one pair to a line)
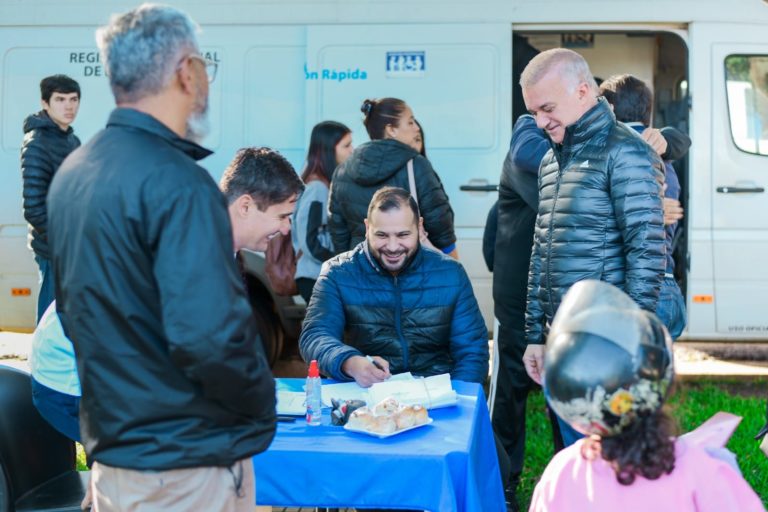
425, 320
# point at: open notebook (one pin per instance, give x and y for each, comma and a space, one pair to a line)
431, 392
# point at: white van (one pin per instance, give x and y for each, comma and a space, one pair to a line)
284, 66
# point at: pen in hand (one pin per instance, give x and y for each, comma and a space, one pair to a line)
375, 363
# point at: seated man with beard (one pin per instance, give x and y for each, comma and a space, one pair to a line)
411, 308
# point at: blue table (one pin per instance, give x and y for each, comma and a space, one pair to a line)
450, 465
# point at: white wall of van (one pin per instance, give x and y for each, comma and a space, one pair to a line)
285, 65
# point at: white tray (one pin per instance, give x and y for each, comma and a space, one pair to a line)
384, 436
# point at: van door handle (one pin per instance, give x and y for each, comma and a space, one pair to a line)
740, 190
478, 185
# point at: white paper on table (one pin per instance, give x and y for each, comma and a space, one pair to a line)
431, 392
291, 403
343, 391
353, 391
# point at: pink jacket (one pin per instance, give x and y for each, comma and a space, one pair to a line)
698, 483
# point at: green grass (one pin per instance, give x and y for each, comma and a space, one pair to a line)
691, 405
80, 458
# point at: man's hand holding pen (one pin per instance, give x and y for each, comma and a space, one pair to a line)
366, 370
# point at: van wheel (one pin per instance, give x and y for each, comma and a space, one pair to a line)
269, 331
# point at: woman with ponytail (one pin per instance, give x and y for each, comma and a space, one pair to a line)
385, 161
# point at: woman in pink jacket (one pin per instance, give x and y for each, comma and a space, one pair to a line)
607, 371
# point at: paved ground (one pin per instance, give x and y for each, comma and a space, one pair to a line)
693, 360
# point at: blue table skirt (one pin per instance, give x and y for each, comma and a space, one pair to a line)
450, 465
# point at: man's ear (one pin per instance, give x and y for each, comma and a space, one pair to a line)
44, 104
421, 224
242, 204
185, 73
365, 221
583, 90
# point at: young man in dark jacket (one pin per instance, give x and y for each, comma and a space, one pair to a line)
632, 103
412, 309
176, 391
48, 139
600, 210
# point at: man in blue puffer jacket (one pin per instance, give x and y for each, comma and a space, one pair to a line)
409, 307
600, 198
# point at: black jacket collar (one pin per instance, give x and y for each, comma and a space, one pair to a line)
596, 120
132, 118
593, 121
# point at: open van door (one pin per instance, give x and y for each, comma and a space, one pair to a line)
457, 79
739, 174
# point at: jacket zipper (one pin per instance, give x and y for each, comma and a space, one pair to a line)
398, 325
560, 172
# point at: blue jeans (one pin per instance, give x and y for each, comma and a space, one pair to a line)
46, 296
671, 307
568, 434
59, 409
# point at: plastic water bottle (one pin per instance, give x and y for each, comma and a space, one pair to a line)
314, 395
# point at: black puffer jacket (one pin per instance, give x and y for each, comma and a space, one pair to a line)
171, 366
518, 204
377, 164
425, 320
600, 217
45, 146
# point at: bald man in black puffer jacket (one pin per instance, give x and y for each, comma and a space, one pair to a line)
600, 210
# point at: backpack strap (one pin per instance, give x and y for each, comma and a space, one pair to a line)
412, 181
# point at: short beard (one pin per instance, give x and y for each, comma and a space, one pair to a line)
198, 124
406, 262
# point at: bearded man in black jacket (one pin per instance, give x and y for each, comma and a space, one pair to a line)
177, 393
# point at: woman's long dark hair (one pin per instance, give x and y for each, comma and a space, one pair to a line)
646, 448
321, 156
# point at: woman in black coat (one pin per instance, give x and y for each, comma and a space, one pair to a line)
384, 162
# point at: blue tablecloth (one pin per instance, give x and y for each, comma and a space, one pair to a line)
450, 465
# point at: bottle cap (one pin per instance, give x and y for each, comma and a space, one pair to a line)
314, 371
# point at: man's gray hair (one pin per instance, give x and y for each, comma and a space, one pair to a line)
571, 68
141, 49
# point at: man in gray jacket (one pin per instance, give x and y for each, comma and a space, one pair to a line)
600, 198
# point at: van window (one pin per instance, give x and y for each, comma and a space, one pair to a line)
746, 78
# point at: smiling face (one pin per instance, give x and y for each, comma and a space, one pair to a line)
252, 228
557, 102
405, 130
62, 108
393, 237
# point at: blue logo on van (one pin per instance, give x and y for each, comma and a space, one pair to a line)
336, 75
406, 63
